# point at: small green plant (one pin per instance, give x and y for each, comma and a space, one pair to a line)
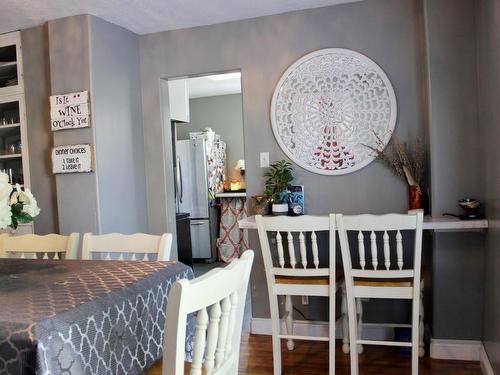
278, 179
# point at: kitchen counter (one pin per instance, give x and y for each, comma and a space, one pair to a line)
430, 223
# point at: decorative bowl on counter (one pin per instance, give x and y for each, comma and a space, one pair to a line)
469, 203
471, 208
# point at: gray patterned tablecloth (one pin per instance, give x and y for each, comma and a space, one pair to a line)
84, 317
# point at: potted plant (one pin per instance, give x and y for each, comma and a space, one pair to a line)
278, 179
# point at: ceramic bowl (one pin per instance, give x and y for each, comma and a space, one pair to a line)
469, 203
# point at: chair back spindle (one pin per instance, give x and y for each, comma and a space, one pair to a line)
387, 251
361, 250
399, 249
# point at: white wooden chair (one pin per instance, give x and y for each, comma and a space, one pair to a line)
138, 246
218, 297
32, 246
382, 280
287, 276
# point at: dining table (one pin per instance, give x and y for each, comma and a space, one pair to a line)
85, 316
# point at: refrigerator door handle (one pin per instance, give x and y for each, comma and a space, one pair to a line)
179, 179
197, 222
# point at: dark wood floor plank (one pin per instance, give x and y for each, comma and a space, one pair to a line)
311, 358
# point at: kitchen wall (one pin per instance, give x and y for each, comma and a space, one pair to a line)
457, 258
222, 113
388, 31
87, 53
36, 70
488, 37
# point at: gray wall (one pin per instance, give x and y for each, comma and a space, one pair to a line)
458, 258
489, 118
117, 119
36, 72
87, 53
224, 115
388, 31
69, 48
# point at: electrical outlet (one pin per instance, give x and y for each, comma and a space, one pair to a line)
305, 300
264, 159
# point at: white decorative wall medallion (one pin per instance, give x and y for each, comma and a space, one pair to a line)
328, 105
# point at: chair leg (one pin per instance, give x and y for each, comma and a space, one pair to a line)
421, 349
289, 321
353, 335
275, 323
345, 321
359, 307
331, 330
415, 336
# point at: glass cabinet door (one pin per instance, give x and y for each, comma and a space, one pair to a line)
13, 155
10, 64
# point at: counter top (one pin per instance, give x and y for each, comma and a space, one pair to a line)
430, 223
232, 195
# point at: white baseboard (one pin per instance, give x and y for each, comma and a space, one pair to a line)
460, 350
262, 326
485, 362
463, 350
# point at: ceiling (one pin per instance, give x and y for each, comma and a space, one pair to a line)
148, 16
201, 87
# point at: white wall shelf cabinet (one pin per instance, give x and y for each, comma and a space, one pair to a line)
14, 156
178, 93
11, 64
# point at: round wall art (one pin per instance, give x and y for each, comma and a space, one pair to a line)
329, 106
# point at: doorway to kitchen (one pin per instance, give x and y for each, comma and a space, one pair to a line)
209, 167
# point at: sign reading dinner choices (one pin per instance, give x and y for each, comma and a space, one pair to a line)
72, 159
69, 111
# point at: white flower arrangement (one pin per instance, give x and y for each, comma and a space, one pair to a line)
16, 206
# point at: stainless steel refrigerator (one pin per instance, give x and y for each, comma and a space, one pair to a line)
198, 173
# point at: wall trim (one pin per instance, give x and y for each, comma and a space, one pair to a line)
460, 350
485, 362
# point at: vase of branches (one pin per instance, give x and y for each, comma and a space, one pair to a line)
407, 163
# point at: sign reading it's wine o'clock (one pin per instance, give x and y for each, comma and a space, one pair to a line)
69, 111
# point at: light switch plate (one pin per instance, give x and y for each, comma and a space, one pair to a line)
264, 159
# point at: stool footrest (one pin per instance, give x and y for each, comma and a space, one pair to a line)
309, 338
384, 343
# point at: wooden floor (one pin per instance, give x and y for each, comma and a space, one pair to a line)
256, 357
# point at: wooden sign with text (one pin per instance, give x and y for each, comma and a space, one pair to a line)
69, 111
72, 159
